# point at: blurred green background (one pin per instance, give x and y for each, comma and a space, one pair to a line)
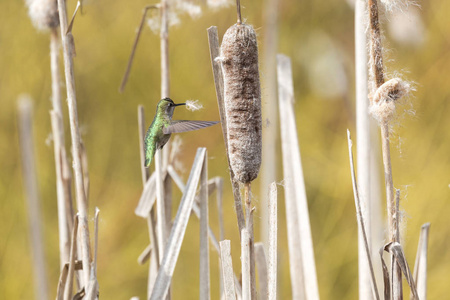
318, 36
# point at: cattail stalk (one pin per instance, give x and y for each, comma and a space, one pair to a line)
363, 145
273, 229
32, 196
213, 39
68, 50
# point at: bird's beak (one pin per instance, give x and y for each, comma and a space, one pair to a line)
179, 104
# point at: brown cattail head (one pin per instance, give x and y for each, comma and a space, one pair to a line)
43, 13
242, 93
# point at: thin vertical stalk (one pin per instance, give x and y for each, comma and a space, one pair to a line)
269, 110
377, 75
69, 286
249, 227
204, 243
420, 265
76, 140
245, 264
272, 259
363, 145
160, 205
301, 250
213, 39
227, 270
32, 196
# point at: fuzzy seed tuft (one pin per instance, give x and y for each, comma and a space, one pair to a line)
384, 100
43, 13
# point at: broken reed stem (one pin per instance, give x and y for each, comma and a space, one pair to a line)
272, 259
204, 243
249, 227
213, 40
133, 49
160, 205
151, 224
269, 111
363, 145
226, 265
420, 265
32, 195
76, 139
56, 117
245, 262
69, 285
376, 57
361, 221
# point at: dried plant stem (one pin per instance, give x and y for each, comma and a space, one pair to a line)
420, 265
177, 233
69, 286
261, 263
270, 112
32, 197
249, 226
238, 7
160, 206
204, 245
361, 222
213, 40
363, 145
245, 264
376, 57
301, 251
133, 49
227, 270
272, 259
76, 140
151, 223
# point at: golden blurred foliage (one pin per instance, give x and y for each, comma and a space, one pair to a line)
318, 36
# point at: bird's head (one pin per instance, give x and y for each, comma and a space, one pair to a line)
166, 106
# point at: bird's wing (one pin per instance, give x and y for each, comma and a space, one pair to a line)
184, 125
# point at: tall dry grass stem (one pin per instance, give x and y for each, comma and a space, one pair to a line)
177, 233
362, 223
301, 252
204, 243
273, 233
269, 112
245, 265
214, 50
420, 265
363, 145
226, 266
25, 111
68, 51
73, 246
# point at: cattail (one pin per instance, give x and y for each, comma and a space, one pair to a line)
242, 93
43, 13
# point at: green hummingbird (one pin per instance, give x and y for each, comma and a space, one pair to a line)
162, 128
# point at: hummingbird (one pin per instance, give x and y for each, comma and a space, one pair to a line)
162, 127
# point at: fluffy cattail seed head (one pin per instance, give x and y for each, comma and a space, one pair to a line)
43, 13
242, 93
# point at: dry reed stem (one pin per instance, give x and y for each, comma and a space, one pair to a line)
219, 198
226, 265
160, 206
133, 49
29, 174
141, 131
245, 264
261, 263
269, 112
145, 255
76, 139
62, 282
420, 265
204, 225
176, 236
249, 226
301, 252
213, 39
73, 246
92, 291
273, 229
361, 222
363, 145
396, 251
